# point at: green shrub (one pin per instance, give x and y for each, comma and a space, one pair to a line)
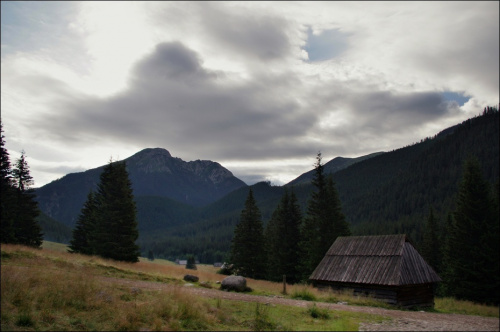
303, 294
321, 313
24, 320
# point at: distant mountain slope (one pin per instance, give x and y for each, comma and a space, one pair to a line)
416, 178
388, 193
331, 167
53, 230
153, 172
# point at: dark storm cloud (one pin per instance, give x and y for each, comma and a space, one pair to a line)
170, 61
173, 102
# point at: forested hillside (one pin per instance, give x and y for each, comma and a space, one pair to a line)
395, 193
333, 166
153, 172
389, 193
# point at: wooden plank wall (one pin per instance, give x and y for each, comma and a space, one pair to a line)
404, 296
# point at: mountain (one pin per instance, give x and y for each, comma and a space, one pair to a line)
381, 193
388, 193
53, 230
333, 166
153, 172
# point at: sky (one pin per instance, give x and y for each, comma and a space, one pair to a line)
259, 87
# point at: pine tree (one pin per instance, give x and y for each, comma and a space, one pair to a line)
445, 288
191, 262
8, 199
273, 245
291, 240
84, 231
336, 216
324, 221
472, 253
431, 246
116, 229
27, 231
282, 238
247, 250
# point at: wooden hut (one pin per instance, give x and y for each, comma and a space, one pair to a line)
387, 267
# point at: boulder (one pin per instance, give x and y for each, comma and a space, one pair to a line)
191, 278
234, 283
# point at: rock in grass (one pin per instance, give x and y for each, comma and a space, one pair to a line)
191, 278
234, 283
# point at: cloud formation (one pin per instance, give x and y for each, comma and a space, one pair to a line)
257, 87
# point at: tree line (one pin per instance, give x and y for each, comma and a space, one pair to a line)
107, 224
291, 244
18, 208
464, 249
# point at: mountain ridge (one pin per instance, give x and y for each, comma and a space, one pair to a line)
332, 166
153, 172
386, 193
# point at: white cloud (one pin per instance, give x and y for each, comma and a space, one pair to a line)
231, 81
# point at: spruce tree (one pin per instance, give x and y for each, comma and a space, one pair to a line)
247, 250
116, 227
8, 200
431, 245
27, 231
282, 239
323, 223
191, 262
84, 232
291, 240
273, 245
472, 244
336, 217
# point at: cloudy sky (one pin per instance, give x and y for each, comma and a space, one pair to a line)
259, 87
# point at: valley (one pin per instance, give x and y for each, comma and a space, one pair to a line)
381, 193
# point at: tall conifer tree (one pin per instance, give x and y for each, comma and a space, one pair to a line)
282, 239
247, 251
431, 246
472, 253
116, 228
83, 240
27, 231
8, 199
324, 221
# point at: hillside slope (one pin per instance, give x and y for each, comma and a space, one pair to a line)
153, 172
389, 193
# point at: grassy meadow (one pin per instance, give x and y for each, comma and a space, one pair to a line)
50, 289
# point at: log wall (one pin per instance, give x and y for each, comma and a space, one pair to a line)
421, 295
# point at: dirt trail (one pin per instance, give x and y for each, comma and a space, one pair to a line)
401, 320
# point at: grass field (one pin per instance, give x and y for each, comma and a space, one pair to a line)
50, 289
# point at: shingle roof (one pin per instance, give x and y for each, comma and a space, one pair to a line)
380, 260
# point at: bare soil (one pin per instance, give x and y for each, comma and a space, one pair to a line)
401, 320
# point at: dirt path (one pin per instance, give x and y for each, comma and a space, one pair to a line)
401, 320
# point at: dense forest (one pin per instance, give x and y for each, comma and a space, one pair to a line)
389, 193
382, 193
443, 192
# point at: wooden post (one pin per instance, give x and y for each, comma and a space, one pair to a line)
284, 284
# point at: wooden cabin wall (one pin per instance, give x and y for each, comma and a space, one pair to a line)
421, 295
